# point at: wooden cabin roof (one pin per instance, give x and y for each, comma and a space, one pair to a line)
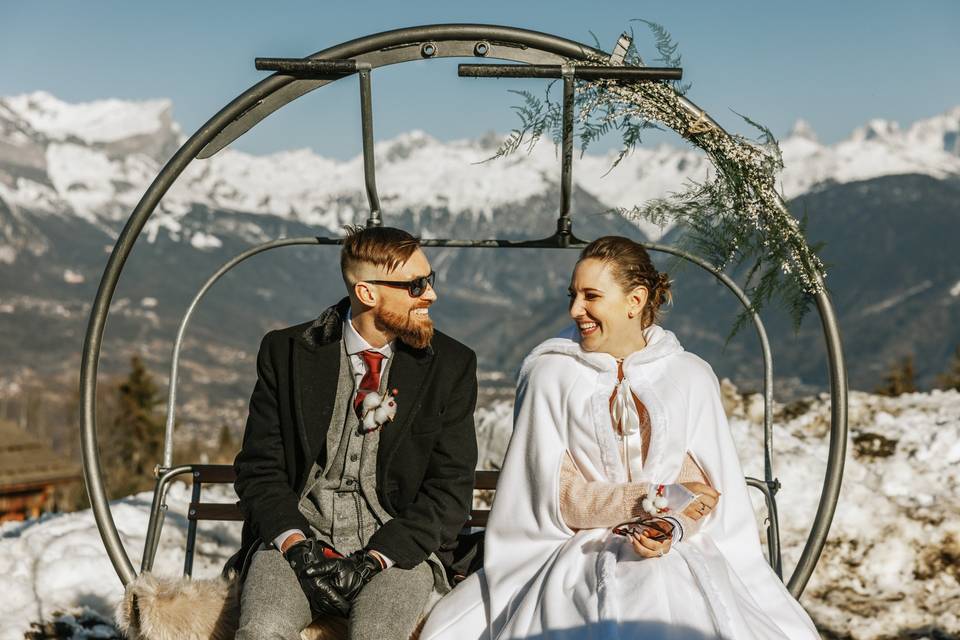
26, 461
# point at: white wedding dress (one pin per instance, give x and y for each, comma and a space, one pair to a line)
541, 579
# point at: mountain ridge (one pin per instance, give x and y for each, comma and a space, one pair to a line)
60, 218
55, 155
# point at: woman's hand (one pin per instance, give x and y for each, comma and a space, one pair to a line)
645, 544
704, 503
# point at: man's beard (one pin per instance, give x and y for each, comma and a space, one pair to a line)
411, 329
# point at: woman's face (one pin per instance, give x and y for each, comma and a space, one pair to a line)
608, 318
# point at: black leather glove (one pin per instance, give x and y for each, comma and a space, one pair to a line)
349, 575
310, 559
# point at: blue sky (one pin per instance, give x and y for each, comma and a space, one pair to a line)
835, 64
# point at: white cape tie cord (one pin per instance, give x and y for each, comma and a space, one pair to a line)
541, 578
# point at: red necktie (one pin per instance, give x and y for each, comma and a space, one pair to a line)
371, 379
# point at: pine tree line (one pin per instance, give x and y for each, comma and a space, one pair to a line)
900, 378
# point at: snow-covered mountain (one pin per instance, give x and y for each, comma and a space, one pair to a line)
889, 571
71, 173
96, 159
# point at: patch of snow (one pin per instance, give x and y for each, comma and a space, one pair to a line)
149, 303
955, 289
58, 562
72, 277
883, 305
8, 255
200, 240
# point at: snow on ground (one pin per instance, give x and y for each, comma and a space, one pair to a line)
58, 562
891, 567
892, 560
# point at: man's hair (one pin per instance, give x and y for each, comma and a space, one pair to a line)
385, 247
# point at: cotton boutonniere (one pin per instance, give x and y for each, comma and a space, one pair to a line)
378, 410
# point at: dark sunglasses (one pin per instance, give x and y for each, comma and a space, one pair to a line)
415, 287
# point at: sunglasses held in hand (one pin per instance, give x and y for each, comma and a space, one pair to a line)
415, 287
657, 529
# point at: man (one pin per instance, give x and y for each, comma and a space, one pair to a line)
348, 512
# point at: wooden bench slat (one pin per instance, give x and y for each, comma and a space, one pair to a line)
214, 511
218, 473
224, 473
485, 479
478, 518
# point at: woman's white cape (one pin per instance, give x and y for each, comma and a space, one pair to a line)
543, 580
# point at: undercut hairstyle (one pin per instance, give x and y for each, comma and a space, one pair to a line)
631, 267
385, 247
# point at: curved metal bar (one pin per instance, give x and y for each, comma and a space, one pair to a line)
404, 45
830, 493
773, 533
773, 530
773, 525
270, 94
518, 44
175, 357
158, 510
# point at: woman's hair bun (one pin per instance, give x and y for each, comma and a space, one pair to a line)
662, 293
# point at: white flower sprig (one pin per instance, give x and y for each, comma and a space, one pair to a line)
378, 410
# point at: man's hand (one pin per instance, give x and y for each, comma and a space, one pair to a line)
311, 560
704, 503
349, 575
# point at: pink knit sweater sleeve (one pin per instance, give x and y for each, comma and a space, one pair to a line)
586, 504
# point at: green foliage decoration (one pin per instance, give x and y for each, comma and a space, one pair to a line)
734, 217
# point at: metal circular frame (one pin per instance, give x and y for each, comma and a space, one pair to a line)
391, 47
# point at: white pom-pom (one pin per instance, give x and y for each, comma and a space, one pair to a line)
660, 502
369, 422
381, 414
647, 505
371, 401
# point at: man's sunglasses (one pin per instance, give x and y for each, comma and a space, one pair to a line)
415, 287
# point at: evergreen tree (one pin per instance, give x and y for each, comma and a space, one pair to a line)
900, 378
950, 379
225, 439
133, 442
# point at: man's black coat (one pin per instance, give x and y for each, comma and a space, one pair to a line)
426, 456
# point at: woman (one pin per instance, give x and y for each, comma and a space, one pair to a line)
615, 424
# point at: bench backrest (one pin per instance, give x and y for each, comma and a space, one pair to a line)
224, 474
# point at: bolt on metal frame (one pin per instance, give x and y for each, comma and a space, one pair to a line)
361, 56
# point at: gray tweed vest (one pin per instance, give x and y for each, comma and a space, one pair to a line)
340, 500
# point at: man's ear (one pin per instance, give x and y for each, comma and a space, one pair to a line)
365, 294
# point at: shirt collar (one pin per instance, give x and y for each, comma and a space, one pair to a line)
355, 343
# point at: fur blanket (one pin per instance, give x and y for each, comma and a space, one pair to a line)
180, 608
